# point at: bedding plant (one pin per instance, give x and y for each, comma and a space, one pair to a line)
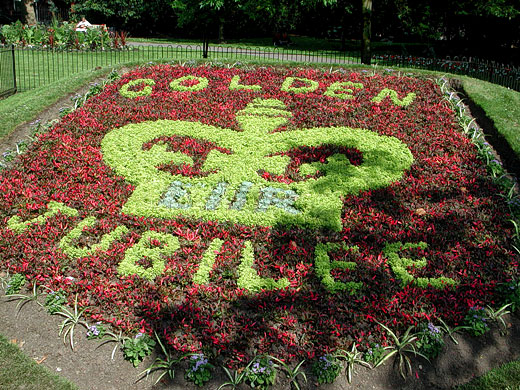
267, 211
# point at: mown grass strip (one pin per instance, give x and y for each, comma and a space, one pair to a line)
18, 371
502, 106
505, 377
25, 106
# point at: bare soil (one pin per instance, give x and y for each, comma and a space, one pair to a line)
90, 366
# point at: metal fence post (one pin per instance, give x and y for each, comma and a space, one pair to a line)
14, 68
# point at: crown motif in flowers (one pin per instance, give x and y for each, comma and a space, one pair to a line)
245, 177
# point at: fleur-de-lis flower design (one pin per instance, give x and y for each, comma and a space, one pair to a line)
232, 188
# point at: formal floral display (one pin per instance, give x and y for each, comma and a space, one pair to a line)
244, 212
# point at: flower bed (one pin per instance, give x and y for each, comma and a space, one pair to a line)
274, 211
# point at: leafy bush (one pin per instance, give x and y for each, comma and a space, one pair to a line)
58, 36
476, 320
327, 369
136, 349
199, 370
261, 373
54, 301
15, 284
429, 340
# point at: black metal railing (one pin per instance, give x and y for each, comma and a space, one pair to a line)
38, 67
7, 72
501, 74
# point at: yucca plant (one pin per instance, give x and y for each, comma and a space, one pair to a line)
351, 358
72, 319
401, 349
118, 339
445, 328
165, 365
24, 299
292, 373
235, 379
498, 316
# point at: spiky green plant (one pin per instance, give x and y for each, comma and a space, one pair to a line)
292, 373
351, 358
24, 299
498, 316
72, 319
235, 379
401, 349
165, 365
118, 339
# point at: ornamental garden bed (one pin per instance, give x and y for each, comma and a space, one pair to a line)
234, 212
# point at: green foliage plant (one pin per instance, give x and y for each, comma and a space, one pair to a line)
54, 301
72, 319
287, 85
15, 284
476, 321
401, 349
343, 89
136, 349
74, 252
125, 90
24, 299
17, 225
154, 246
327, 368
177, 84
406, 101
261, 373
248, 277
208, 259
351, 358
235, 85
400, 265
324, 267
510, 292
292, 373
312, 203
374, 354
165, 365
234, 379
430, 340
199, 370
498, 315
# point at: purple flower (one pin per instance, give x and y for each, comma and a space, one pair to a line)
432, 328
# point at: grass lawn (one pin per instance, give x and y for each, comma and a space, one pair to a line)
298, 43
25, 106
18, 371
501, 105
506, 377
35, 68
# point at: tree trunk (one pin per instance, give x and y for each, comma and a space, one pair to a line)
221, 30
366, 11
30, 17
343, 35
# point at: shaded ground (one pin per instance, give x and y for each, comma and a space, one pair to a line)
91, 367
